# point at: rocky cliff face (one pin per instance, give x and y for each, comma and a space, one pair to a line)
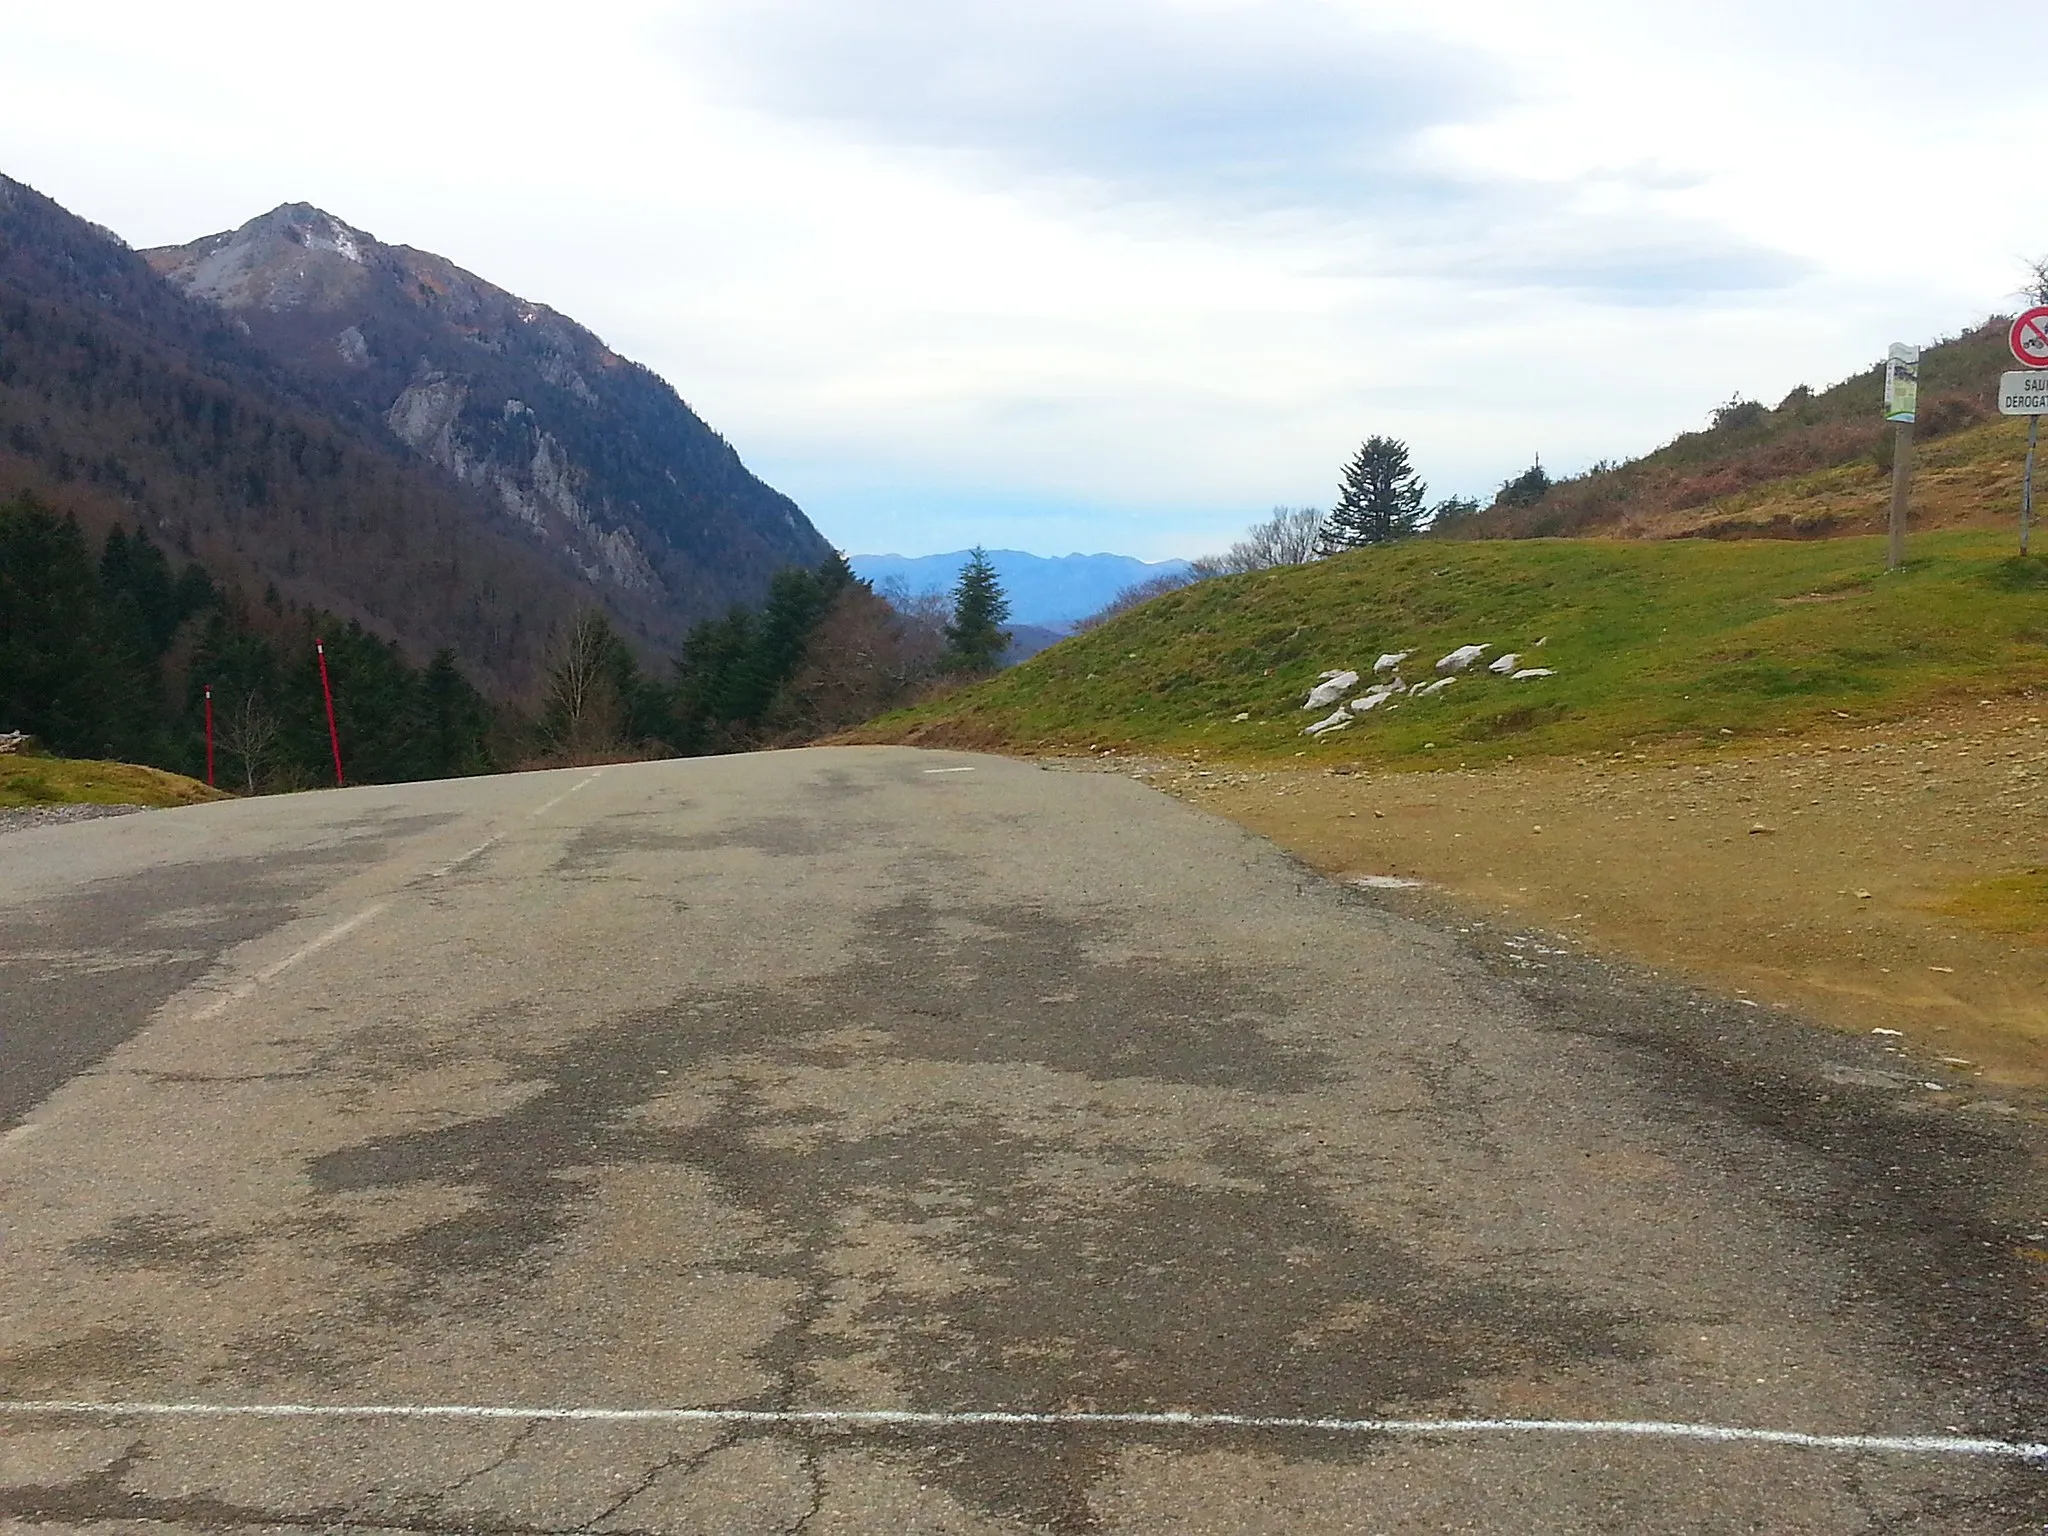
587, 452
125, 402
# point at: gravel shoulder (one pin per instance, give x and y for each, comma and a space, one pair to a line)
28, 817
1830, 874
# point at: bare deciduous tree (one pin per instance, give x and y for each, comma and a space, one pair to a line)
866, 656
247, 733
2034, 289
581, 712
1286, 537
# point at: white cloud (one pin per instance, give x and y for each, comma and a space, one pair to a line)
1112, 275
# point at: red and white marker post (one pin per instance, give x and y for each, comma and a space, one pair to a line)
209, 735
333, 736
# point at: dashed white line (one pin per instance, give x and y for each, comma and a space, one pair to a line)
901, 1418
542, 810
460, 859
277, 968
333, 935
949, 770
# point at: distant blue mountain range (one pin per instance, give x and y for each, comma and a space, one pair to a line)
1050, 591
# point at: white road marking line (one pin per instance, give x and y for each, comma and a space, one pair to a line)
333, 935
460, 859
277, 968
898, 1418
542, 810
949, 770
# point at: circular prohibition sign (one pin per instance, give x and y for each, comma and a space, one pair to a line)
2029, 336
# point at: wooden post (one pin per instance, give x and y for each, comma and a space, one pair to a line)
1902, 474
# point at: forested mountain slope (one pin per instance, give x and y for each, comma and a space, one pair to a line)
591, 455
126, 403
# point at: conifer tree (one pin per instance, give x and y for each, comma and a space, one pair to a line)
1379, 498
59, 673
1525, 489
454, 720
976, 639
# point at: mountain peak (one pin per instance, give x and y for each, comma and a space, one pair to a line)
595, 458
294, 257
314, 228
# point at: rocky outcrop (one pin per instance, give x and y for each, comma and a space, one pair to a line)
589, 454
540, 490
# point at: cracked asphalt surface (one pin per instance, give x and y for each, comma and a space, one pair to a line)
824, 1080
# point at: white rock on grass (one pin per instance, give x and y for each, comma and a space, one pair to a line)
1501, 666
1335, 722
1326, 693
1370, 700
1462, 658
1431, 690
1391, 660
1324, 677
1528, 672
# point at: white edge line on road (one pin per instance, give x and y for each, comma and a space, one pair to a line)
542, 810
895, 1418
948, 770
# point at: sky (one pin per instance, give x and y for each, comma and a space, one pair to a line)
1109, 274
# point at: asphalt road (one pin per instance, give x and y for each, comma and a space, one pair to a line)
868, 1080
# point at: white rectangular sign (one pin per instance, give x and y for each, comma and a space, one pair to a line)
2023, 393
1901, 382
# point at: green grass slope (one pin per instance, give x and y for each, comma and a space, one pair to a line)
1651, 641
32, 781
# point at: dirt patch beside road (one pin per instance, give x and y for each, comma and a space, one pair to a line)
1876, 878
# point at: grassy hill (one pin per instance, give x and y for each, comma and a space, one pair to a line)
1814, 465
34, 781
1690, 641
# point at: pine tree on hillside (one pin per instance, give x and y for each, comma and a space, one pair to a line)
453, 720
1526, 489
64, 678
1379, 498
976, 639
797, 600
710, 684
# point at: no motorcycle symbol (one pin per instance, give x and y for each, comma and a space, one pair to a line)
2030, 337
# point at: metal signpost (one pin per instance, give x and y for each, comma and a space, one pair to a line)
1901, 400
2026, 394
